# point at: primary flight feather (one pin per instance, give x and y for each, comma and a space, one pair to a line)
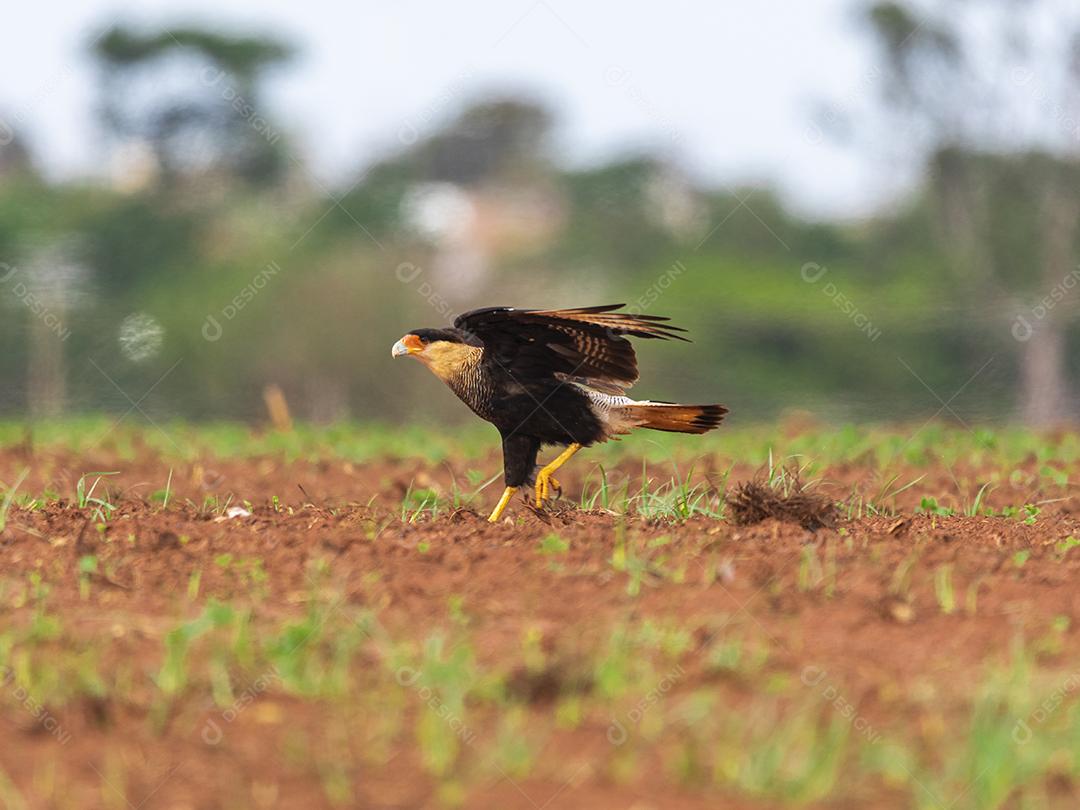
551, 377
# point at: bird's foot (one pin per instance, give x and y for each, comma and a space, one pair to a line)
545, 479
546, 484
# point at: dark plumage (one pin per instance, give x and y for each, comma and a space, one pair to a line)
551, 377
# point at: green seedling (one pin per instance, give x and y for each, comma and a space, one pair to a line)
88, 565
162, 495
930, 506
418, 503
976, 506
9, 497
553, 544
810, 571
85, 498
943, 589
1065, 546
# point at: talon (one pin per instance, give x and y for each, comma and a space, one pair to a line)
545, 479
541, 489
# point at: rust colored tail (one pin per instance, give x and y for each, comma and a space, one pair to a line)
677, 418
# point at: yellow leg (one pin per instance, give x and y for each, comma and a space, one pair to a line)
544, 478
508, 493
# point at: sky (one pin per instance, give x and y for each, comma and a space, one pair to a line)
731, 90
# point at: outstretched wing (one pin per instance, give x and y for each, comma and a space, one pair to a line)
585, 345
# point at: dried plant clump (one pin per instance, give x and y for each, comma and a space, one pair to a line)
788, 500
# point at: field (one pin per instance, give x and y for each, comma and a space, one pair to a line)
210, 617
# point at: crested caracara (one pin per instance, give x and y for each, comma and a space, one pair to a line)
551, 377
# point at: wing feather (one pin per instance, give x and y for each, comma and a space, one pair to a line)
586, 344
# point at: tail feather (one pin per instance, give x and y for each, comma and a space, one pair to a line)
676, 418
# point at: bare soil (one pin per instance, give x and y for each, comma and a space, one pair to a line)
869, 618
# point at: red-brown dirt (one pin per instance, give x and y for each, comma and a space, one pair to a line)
862, 615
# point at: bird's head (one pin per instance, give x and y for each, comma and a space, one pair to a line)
444, 351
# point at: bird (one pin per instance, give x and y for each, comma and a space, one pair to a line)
551, 377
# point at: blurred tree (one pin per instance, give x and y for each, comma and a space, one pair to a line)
497, 139
988, 95
612, 219
15, 160
193, 96
131, 242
